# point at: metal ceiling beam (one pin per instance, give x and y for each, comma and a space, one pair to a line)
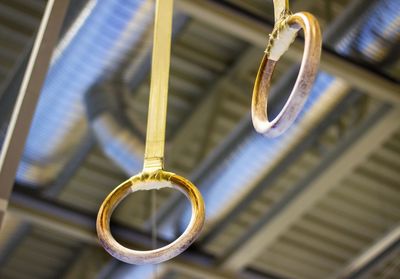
7, 100
339, 27
66, 220
165, 269
49, 214
201, 272
371, 256
313, 124
208, 106
209, 103
184, 269
303, 197
28, 96
254, 31
86, 264
332, 109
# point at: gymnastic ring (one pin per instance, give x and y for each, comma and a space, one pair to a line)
305, 79
148, 181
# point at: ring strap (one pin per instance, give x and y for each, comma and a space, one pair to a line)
281, 7
157, 114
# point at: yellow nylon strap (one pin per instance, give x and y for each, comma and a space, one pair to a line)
279, 7
157, 114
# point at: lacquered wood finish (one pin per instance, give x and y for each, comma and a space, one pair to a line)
282, 36
149, 181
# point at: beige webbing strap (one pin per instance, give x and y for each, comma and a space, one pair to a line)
157, 114
280, 6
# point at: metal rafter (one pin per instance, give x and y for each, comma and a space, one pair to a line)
255, 32
209, 106
353, 151
80, 225
361, 264
86, 265
27, 97
335, 66
165, 269
314, 127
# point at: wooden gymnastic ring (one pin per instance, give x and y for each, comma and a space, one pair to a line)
304, 82
146, 181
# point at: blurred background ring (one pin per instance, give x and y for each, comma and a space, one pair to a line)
283, 35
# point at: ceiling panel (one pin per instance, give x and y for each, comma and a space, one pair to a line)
356, 213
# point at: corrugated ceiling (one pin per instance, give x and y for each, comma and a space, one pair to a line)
211, 79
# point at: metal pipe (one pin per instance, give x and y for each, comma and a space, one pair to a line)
112, 131
93, 53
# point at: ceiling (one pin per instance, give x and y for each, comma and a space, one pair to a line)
321, 201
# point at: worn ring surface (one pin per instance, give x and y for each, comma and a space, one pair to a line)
146, 181
304, 82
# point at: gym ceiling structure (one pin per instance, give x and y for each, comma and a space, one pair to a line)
320, 201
